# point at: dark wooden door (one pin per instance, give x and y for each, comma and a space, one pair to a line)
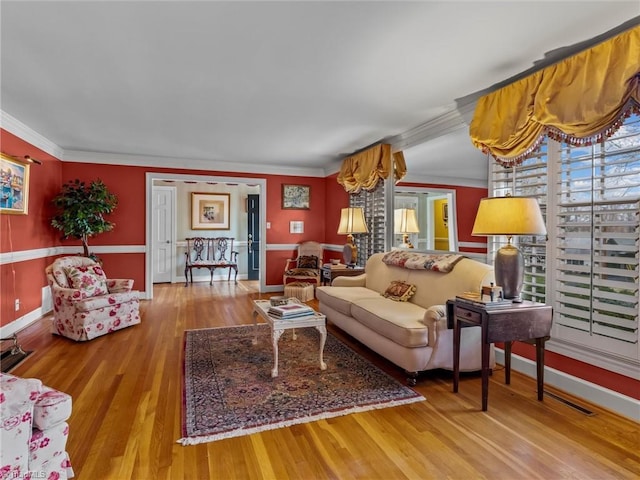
253, 237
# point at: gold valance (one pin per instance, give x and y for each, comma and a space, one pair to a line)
365, 169
579, 100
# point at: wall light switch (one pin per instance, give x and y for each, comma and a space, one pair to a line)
268, 225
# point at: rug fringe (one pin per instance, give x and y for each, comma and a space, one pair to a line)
296, 421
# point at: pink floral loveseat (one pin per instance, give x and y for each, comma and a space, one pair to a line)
85, 303
34, 430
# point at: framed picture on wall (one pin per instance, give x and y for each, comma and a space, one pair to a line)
210, 211
296, 197
14, 185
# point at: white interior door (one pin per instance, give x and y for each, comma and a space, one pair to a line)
163, 242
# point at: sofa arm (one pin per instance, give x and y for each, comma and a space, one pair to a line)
52, 408
118, 285
357, 281
435, 318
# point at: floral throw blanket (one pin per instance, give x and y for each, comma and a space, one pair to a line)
422, 261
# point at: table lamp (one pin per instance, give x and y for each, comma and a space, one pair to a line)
509, 216
351, 221
405, 222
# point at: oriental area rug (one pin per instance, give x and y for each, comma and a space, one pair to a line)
229, 392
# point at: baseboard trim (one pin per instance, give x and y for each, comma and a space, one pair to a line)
20, 323
614, 401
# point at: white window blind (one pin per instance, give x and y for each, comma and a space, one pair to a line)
598, 201
373, 204
588, 270
528, 179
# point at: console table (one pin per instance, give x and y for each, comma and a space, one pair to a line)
329, 273
526, 321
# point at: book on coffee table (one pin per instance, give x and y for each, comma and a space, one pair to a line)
482, 300
291, 310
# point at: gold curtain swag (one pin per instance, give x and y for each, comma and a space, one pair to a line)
365, 169
579, 100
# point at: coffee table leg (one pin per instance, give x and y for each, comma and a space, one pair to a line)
275, 336
323, 338
255, 328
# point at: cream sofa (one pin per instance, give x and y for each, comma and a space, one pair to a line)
412, 334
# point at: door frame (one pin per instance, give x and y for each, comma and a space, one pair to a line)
149, 179
432, 195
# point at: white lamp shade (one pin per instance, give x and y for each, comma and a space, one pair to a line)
509, 216
405, 221
352, 221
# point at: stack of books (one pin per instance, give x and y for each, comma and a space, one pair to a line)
482, 300
291, 310
334, 266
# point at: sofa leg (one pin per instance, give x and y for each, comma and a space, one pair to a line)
412, 378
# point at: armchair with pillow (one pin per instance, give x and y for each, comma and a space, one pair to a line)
86, 304
307, 267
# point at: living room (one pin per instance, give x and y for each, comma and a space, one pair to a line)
29, 244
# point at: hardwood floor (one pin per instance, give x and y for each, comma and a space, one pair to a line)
126, 390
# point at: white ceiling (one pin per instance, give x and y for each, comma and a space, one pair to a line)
293, 85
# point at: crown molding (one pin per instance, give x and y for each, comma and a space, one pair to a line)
186, 163
451, 181
448, 122
19, 129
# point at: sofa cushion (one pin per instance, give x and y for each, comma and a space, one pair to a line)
400, 322
105, 301
399, 291
341, 298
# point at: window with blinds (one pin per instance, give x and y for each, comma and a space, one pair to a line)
598, 202
590, 197
373, 204
528, 180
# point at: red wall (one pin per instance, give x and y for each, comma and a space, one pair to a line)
25, 279
128, 183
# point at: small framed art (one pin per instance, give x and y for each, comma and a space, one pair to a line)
210, 211
14, 185
296, 197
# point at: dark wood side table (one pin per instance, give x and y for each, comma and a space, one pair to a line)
328, 273
526, 321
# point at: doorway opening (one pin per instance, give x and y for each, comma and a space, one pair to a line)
183, 185
436, 215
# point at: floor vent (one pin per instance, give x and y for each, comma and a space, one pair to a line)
569, 403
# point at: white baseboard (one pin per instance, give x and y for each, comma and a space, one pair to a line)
22, 322
614, 401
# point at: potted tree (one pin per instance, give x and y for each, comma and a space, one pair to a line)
81, 209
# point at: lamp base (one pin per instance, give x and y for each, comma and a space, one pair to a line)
405, 241
350, 253
509, 270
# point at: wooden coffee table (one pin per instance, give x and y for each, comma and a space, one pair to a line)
278, 326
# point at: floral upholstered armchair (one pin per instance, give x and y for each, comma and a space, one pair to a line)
307, 267
34, 430
86, 304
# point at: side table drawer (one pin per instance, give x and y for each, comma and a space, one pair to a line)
468, 315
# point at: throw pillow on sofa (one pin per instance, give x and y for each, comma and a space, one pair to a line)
90, 280
399, 291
